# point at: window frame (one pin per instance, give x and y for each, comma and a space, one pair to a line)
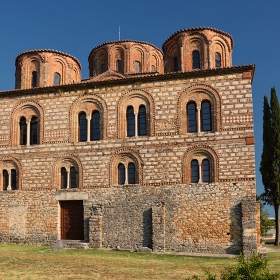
196, 63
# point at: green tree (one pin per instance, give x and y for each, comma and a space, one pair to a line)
270, 161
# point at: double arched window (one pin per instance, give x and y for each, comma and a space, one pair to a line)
199, 119
136, 122
200, 171
68, 177
196, 60
126, 174
29, 132
10, 181
89, 126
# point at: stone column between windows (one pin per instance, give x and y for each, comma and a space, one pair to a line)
126, 175
88, 128
136, 123
199, 172
9, 187
68, 178
28, 133
198, 119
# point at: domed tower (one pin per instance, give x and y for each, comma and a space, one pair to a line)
41, 68
125, 57
197, 48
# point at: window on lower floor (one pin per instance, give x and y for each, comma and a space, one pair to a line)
69, 177
9, 179
200, 171
126, 174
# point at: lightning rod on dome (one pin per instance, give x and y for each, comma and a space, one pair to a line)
119, 33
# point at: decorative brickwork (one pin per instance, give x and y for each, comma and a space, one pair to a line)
137, 156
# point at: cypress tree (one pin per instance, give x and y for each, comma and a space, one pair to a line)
270, 162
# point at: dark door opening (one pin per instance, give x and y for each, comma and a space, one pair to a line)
72, 220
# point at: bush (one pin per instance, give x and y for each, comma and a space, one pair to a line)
254, 268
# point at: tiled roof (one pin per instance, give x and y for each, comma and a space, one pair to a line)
198, 29
124, 41
52, 51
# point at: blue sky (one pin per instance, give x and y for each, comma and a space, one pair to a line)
75, 27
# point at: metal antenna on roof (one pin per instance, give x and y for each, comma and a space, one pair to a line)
119, 33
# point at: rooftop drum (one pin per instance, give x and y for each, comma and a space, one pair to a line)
197, 48
40, 68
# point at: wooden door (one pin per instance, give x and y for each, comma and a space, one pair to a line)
72, 220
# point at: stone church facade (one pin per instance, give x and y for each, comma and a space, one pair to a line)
155, 149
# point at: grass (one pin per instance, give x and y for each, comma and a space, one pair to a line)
42, 262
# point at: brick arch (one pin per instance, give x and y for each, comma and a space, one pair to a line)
88, 104
198, 93
201, 151
135, 98
219, 44
114, 53
27, 109
10, 162
137, 54
65, 161
57, 62
195, 42
126, 156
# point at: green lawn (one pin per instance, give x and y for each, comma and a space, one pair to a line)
42, 262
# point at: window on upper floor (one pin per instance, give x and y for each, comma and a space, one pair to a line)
175, 64
119, 66
29, 131
9, 179
196, 60
82, 127
68, 177
34, 79
199, 118
153, 68
206, 123
192, 117
130, 120
56, 79
142, 121
89, 126
137, 67
217, 60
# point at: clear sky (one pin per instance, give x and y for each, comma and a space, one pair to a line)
75, 27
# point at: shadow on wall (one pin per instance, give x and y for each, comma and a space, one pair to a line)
147, 229
235, 230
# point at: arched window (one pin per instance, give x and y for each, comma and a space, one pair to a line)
153, 68
63, 178
95, 126
34, 131
23, 131
217, 60
192, 117
5, 179
82, 127
73, 177
194, 171
175, 64
130, 121
56, 80
131, 173
102, 68
34, 79
14, 179
142, 121
206, 123
119, 65
121, 174
137, 67
196, 60
205, 170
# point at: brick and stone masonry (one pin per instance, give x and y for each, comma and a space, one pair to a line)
165, 209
